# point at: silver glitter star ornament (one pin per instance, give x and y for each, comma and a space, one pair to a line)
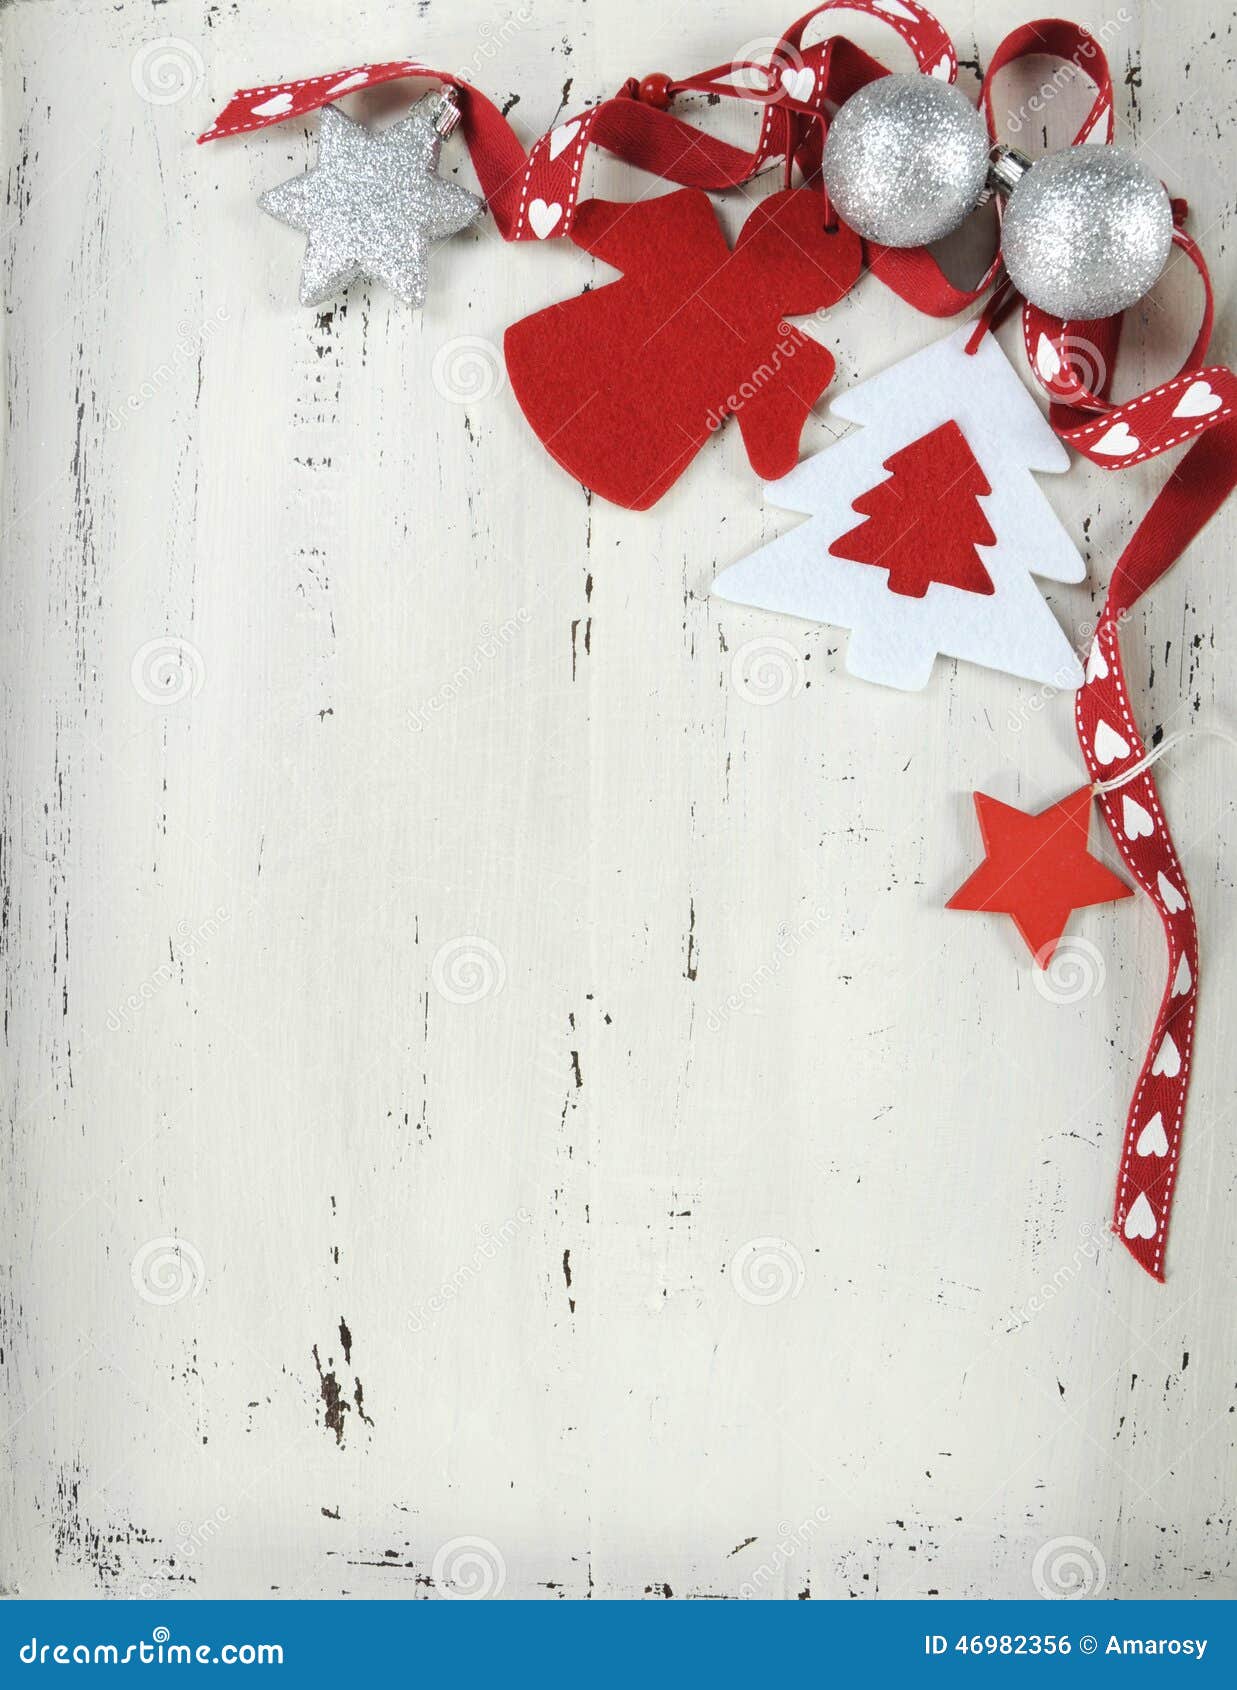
374, 205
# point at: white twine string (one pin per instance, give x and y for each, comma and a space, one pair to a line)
1202, 731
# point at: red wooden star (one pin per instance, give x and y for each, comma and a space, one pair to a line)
1037, 869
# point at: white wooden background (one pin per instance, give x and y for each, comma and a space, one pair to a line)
519, 987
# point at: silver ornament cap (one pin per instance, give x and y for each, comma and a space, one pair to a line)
906, 160
1086, 232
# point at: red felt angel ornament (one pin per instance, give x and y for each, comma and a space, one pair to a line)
625, 383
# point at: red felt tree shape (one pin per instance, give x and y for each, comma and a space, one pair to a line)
924, 523
625, 383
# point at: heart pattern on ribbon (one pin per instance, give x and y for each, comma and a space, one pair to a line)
1141, 1221
799, 83
1136, 823
1153, 1140
1110, 747
1097, 664
278, 106
1200, 399
1150, 1152
543, 218
562, 137
1172, 899
1117, 442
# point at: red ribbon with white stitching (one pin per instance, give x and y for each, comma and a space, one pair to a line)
1111, 743
1063, 355
535, 197
1074, 363
1065, 358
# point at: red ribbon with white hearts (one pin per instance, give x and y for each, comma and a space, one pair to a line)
535, 197
1074, 363
1064, 355
1066, 358
1111, 744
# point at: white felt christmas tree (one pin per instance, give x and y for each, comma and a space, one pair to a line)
927, 525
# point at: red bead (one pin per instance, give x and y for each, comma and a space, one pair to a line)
655, 90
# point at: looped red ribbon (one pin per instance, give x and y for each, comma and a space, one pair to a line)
1064, 355
1075, 363
1068, 361
535, 196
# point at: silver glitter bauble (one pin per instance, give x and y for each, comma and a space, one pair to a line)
1086, 232
906, 160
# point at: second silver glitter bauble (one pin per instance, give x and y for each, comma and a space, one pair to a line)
906, 160
1086, 232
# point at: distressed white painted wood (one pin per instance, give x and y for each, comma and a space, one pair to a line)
586, 1131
